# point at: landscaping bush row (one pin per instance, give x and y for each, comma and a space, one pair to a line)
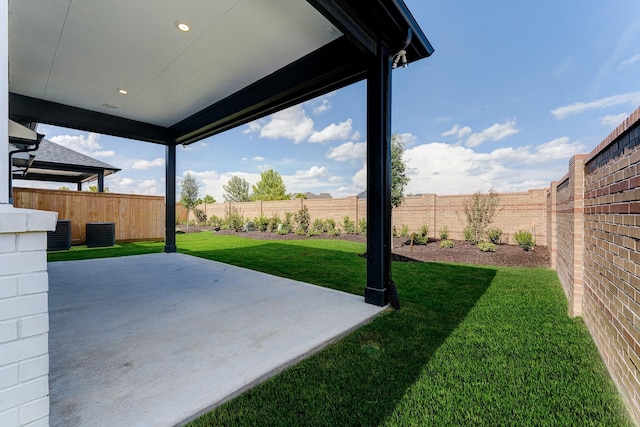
300, 223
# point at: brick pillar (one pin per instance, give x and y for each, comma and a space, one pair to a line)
24, 316
576, 168
552, 225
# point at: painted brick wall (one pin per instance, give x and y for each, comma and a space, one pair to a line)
597, 226
24, 318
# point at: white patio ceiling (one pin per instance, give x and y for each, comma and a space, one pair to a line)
82, 52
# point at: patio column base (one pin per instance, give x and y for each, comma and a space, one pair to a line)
375, 296
169, 249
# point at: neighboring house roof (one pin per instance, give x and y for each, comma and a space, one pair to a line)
363, 195
53, 162
318, 196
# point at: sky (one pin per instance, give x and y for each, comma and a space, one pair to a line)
513, 90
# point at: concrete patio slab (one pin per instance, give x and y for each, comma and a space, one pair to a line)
153, 340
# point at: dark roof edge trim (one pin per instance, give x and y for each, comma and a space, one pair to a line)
28, 109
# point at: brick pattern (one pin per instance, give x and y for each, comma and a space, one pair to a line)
24, 318
526, 210
597, 226
612, 257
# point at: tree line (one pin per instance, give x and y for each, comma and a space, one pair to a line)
271, 186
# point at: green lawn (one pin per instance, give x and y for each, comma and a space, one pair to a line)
470, 346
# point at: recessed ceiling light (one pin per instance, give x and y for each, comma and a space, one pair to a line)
183, 26
123, 91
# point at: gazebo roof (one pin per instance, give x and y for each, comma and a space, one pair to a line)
53, 162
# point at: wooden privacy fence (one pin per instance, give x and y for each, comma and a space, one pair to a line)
136, 217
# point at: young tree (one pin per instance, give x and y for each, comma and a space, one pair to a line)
270, 187
399, 178
236, 190
208, 199
480, 211
94, 189
189, 188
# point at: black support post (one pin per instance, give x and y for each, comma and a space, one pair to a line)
170, 199
379, 282
101, 182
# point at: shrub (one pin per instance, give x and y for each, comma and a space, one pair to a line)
348, 226
419, 239
272, 224
288, 220
201, 218
422, 237
316, 228
480, 210
302, 220
362, 226
404, 230
524, 239
494, 235
330, 227
486, 247
233, 218
446, 244
469, 234
444, 233
215, 221
283, 230
261, 223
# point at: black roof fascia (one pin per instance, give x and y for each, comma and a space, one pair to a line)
71, 168
27, 109
331, 67
367, 22
74, 179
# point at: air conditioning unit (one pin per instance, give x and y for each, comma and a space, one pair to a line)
101, 234
60, 239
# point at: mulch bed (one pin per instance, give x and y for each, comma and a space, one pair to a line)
463, 252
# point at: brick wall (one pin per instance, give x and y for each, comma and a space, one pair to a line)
24, 318
598, 250
526, 210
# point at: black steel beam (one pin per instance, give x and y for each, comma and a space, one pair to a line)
170, 199
27, 109
379, 178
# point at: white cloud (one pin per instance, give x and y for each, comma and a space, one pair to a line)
408, 139
457, 131
314, 172
333, 132
631, 98
360, 177
125, 182
105, 153
253, 127
148, 164
635, 58
348, 151
292, 123
322, 108
496, 132
447, 169
256, 159
85, 144
613, 120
